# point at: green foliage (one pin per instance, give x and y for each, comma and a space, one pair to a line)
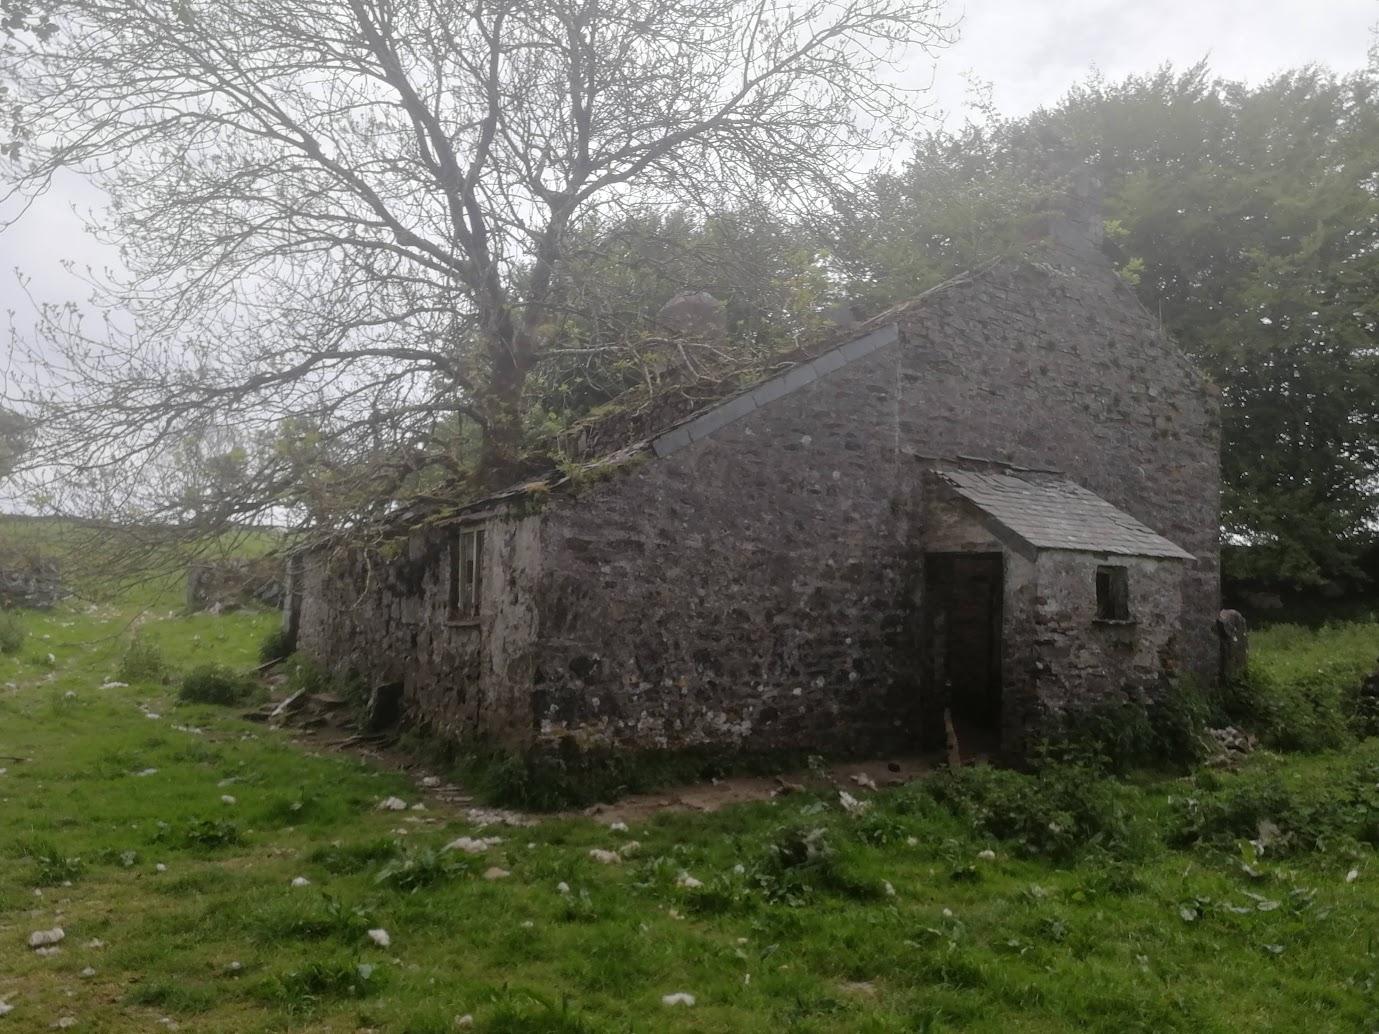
300, 920
802, 860
343, 859
51, 866
143, 661
1060, 812
1284, 816
419, 868
176, 996
522, 1011
1302, 688
207, 834
13, 633
277, 645
1124, 733
216, 684
320, 981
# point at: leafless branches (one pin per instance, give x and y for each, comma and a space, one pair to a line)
347, 225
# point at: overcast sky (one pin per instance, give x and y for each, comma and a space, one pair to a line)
1030, 51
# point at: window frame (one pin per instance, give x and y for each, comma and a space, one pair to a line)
1113, 594
466, 574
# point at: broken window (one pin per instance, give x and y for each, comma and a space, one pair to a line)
466, 573
1112, 593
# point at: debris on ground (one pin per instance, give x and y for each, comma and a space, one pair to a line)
472, 845
1231, 746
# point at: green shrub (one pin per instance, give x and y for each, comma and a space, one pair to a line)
1123, 734
12, 633
802, 860
1059, 812
1296, 711
216, 684
1283, 818
143, 661
421, 868
277, 645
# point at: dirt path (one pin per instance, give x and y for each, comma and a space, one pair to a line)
326, 729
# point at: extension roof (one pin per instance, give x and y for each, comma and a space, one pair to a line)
1056, 513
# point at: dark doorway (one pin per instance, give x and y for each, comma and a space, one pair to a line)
962, 604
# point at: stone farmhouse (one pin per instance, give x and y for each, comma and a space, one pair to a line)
999, 499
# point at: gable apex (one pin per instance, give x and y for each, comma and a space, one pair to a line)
706, 421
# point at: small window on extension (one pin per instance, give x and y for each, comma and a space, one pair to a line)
466, 573
1112, 594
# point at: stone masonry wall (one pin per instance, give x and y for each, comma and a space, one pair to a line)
385, 615
1059, 366
747, 590
1080, 659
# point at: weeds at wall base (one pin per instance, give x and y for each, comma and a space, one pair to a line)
542, 781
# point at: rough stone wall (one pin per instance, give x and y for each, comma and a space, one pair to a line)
1080, 659
1057, 365
385, 615
747, 590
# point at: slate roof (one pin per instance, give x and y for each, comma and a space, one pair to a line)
1055, 513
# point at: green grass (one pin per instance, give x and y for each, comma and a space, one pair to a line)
1123, 906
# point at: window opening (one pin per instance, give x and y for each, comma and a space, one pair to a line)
1112, 594
466, 572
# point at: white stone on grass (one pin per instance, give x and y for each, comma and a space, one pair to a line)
618, 827
562, 887
380, 938
226, 798
851, 804
1352, 876
41, 938
472, 845
679, 998
987, 855
605, 857
114, 685
688, 881
495, 873
300, 881
6, 1008
392, 804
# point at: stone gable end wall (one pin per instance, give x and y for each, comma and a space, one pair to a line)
1044, 367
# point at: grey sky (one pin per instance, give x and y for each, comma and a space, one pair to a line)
1031, 51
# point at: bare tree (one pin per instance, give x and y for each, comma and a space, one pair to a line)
355, 213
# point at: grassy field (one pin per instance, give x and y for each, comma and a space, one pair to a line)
169, 842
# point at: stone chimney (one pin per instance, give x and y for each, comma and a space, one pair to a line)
1076, 203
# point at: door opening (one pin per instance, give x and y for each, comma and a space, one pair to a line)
962, 603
